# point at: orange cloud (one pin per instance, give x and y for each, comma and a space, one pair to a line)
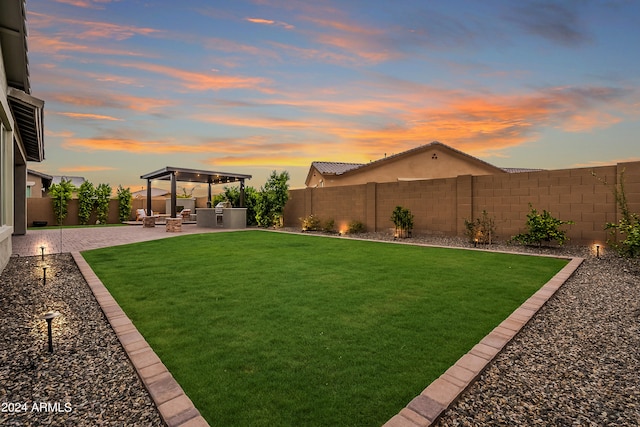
200, 81
89, 116
270, 22
76, 169
121, 102
130, 146
258, 160
89, 30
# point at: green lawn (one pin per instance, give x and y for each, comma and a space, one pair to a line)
270, 329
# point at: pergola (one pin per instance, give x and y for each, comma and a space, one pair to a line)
173, 174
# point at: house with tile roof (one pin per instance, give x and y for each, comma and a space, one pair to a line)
429, 161
21, 124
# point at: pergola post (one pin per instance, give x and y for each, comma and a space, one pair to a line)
173, 194
209, 204
242, 192
148, 197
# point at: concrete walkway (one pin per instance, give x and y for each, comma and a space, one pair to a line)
79, 239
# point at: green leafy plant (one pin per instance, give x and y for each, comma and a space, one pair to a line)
481, 230
103, 194
543, 227
355, 227
627, 228
86, 201
124, 203
271, 200
403, 220
232, 195
186, 194
60, 196
310, 223
329, 226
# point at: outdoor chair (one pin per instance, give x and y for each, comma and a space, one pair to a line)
141, 214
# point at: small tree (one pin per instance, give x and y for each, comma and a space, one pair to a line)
86, 201
271, 199
482, 230
124, 203
403, 220
60, 196
103, 194
543, 227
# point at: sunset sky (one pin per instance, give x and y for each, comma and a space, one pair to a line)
249, 87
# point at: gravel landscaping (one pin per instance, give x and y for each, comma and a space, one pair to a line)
88, 379
575, 363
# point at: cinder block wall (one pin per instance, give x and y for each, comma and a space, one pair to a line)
440, 206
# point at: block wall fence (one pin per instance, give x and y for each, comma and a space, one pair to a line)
41, 209
440, 206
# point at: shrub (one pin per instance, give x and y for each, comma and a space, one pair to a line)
355, 227
329, 226
103, 194
403, 220
543, 227
628, 226
271, 200
482, 230
60, 196
86, 202
310, 223
124, 203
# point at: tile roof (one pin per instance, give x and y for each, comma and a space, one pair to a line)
336, 168
520, 170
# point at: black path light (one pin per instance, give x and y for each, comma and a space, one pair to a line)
42, 248
49, 316
44, 274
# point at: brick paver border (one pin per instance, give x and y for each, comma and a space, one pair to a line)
176, 409
425, 408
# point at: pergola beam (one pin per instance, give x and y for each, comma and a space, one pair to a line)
174, 174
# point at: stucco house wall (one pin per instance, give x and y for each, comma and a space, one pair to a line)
430, 161
21, 126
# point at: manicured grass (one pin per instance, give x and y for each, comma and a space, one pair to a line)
269, 329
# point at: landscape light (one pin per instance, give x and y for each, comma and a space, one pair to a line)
42, 248
49, 316
598, 251
44, 274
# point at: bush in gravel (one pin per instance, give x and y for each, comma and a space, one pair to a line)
482, 230
403, 220
628, 227
355, 227
543, 227
310, 223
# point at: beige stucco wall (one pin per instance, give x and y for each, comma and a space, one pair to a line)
6, 171
36, 188
436, 162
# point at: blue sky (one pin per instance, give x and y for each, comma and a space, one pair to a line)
254, 86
